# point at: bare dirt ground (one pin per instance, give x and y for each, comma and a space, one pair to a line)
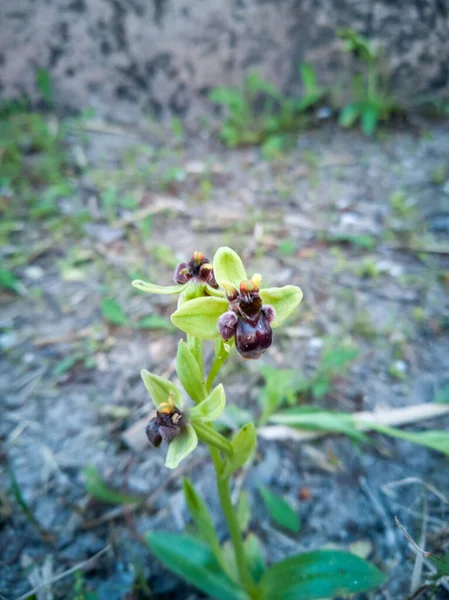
354, 222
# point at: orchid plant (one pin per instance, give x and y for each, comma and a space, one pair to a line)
218, 302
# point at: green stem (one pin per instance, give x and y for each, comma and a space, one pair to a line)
224, 494
221, 356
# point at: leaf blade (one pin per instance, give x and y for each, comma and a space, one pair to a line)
193, 561
281, 511
319, 574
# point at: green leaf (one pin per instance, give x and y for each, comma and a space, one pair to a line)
319, 420
255, 556
442, 564
284, 300
243, 444
336, 358
189, 373
281, 511
199, 317
201, 516
191, 559
97, 488
8, 281
151, 288
113, 312
435, 439
228, 266
153, 322
319, 574
370, 115
442, 396
320, 386
160, 389
308, 77
207, 434
211, 408
65, 365
243, 511
181, 446
349, 114
44, 85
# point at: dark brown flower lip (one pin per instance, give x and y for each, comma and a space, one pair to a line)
166, 425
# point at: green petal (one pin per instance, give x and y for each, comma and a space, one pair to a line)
199, 317
211, 408
228, 266
160, 389
158, 289
284, 300
181, 446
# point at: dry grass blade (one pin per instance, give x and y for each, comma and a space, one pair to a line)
82, 565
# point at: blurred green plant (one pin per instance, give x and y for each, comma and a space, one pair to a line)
287, 386
259, 114
372, 101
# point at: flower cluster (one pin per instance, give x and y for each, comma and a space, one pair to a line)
216, 300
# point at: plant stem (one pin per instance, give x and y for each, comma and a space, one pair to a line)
231, 518
221, 356
224, 492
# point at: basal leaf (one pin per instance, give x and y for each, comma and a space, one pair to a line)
281, 511
193, 561
318, 575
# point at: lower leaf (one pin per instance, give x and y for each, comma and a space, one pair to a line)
320, 574
193, 561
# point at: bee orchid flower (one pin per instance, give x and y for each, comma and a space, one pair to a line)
178, 427
247, 314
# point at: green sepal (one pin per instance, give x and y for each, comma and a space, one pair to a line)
209, 436
152, 288
211, 408
319, 574
189, 373
191, 559
192, 290
284, 300
161, 389
243, 445
228, 266
181, 446
199, 317
202, 518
